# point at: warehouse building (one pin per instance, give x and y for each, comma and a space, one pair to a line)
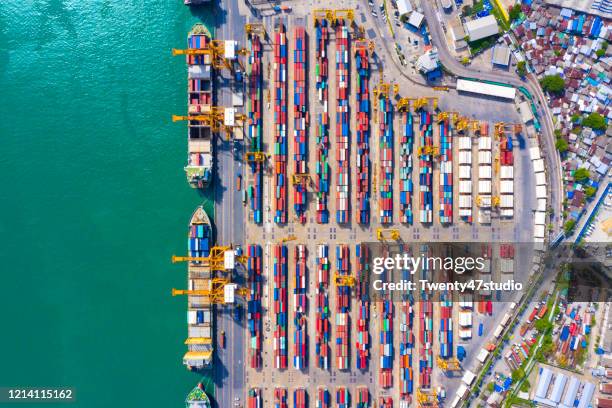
404, 8
501, 56
482, 88
481, 28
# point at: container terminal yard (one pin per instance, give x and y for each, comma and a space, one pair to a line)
329, 150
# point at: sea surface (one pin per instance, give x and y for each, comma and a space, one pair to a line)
93, 199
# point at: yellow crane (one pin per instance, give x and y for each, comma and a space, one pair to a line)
215, 293
301, 178
322, 14
425, 150
442, 116
393, 234
215, 50
451, 364
495, 201
289, 238
255, 29
255, 157
475, 126
440, 88
461, 124
344, 280
343, 14
217, 119
499, 130
403, 105
427, 398
215, 260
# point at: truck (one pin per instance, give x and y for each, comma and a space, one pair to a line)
222, 339
238, 182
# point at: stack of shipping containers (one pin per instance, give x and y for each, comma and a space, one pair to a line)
446, 172
405, 179
506, 175
254, 399
255, 127
322, 138
363, 134
363, 398
465, 175
343, 398
445, 336
300, 398
362, 254
385, 147
342, 124
385, 402
280, 398
343, 302
426, 168
279, 262
280, 124
484, 174
300, 114
254, 279
385, 379
484, 303
425, 330
323, 398
300, 337
506, 262
406, 348
323, 330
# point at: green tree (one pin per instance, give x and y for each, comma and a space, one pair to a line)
518, 374
600, 52
561, 145
581, 175
590, 191
514, 12
525, 386
543, 325
595, 121
569, 225
575, 117
491, 386
521, 68
553, 84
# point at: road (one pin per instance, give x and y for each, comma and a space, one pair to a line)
229, 363
553, 161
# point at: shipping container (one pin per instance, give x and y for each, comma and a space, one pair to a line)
385, 160
446, 172
362, 65
342, 123
343, 304
322, 168
323, 324
300, 309
254, 399
406, 165
300, 122
254, 285
255, 131
279, 265
363, 319
280, 48
426, 167
280, 398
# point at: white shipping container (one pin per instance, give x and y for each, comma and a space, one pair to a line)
507, 201
484, 143
506, 172
541, 204
540, 179
534, 153
465, 157
465, 187
541, 192
538, 166
465, 143
484, 157
485, 172
484, 187
465, 172
506, 186
465, 201
506, 213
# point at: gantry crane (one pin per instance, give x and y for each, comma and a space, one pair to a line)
215, 260
289, 238
255, 29
451, 364
217, 118
499, 130
475, 126
462, 124
215, 50
216, 293
301, 178
427, 398
344, 280
343, 14
403, 105
425, 150
393, 234
418, 103
258, 157
365, 45
322, 14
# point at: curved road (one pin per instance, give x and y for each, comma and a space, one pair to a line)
553, 162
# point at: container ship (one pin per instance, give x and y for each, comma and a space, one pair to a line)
200, 99
199, 310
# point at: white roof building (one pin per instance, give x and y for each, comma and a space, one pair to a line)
481, 28
428, 61
404, 7
416, 19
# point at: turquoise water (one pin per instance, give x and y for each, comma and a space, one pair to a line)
94, 199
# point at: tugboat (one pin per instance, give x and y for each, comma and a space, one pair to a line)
197, 398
